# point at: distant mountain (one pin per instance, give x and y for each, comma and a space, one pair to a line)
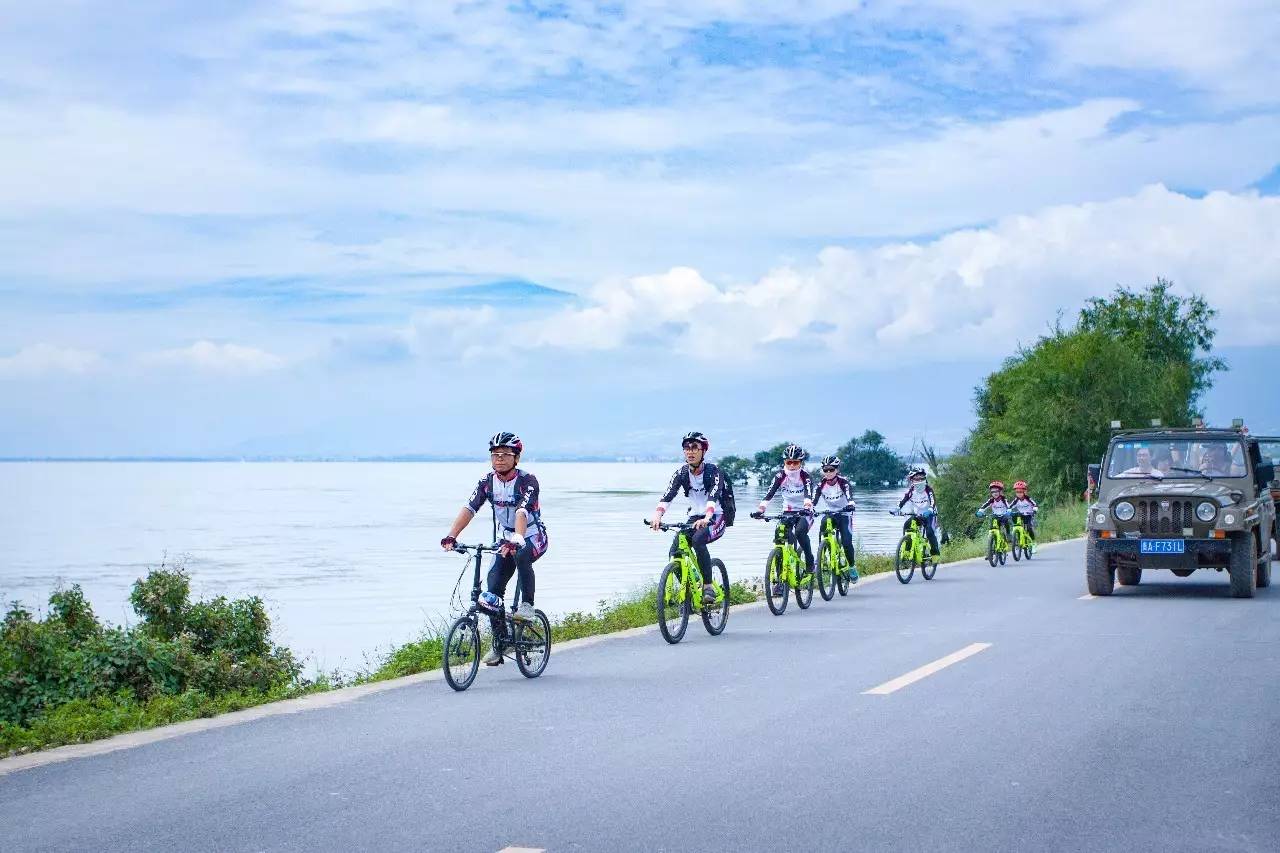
501, 291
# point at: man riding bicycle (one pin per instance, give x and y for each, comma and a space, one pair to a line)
797, 496
513, 495
999, 506
924, 504
702, 483
1024, 505
834, 494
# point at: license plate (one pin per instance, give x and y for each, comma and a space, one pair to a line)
1163, 546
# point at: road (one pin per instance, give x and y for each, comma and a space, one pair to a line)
1144, 721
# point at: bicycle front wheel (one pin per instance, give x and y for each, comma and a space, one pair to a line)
1017, 552
714, 616
462, 652
533, 645
903, 566
673, 604
827, 563
930, 567
991, 550
804, 587
775, 584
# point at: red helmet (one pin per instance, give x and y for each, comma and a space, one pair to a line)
996, 484
1021, 484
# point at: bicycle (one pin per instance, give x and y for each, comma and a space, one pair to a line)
680, 589
529, 642
1023, 544
782, 567
997, 542
834, 568
914, 551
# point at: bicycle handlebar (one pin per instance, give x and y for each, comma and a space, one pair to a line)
479, 549
666, 527
782, 516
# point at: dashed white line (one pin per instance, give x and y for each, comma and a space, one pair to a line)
1086, 597
925, 671
523, 850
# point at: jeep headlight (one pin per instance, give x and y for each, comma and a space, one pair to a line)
1206, 511
1123, 510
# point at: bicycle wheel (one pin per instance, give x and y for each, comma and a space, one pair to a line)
462, 652
1017, 552
714, 618
903, 566
827, 563
1004, 554
805, 582
930, 567
991, 549
533, 645
673, 604
1029, 549
842, 580
777, 601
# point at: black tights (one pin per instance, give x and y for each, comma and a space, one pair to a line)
500, 574
798, 532
930, 534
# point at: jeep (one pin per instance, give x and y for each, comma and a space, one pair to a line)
1181, 499
1270, 446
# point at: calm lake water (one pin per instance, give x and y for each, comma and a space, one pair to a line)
346, 555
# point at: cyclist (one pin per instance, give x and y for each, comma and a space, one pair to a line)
1025, 506
797, 496
924, 503
999, 505
702, 484
513, 495
833, 493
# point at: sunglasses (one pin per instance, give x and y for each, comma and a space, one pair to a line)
502, 455
829, 469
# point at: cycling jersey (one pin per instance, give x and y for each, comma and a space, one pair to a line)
999, 505
1025, 505
921, 497
701, 489
507, 497
796, 487
832, 495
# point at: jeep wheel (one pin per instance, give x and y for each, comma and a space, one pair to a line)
1244, 565
1129, 575
1264, 570
1098, 572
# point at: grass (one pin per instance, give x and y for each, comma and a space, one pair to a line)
102, 716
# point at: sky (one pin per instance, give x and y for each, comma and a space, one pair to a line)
346, 227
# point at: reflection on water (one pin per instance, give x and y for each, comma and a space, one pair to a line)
346, 554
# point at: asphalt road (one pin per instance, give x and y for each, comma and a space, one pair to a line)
1146, 721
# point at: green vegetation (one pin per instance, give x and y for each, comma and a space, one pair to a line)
68, 677
1046, 414
866, 460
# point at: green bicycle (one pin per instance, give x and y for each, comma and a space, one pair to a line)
834, 569
680, 589
784, 569
1023, 544
997, 542
914, 551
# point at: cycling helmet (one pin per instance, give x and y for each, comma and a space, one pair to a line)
794, 452
698, 437
916, 471
1021, 484
996, 484
828, 461
506, 439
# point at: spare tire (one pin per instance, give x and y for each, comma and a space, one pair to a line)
1183, 573
1129, 575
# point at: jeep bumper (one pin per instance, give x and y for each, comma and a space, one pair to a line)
1199, 552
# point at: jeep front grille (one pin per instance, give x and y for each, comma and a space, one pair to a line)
1163, 517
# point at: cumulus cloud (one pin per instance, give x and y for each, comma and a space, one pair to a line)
43, 359
218, 358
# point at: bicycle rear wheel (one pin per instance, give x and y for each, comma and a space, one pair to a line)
533, 645
991, 550
903, 566
673, 604
773, 575
713, 617
462, 652
827, 563
805, 582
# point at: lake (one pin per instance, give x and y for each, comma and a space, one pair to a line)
346, 555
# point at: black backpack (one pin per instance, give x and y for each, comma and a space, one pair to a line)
728, 503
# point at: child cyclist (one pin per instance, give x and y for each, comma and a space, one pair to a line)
834, 494
513, 495
924, 503
1024, 505
999, 506
702, 483
797, 496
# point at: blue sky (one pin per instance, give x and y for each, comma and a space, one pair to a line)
380, 227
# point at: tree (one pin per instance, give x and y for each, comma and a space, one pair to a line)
735, 468
766, 462
868, 460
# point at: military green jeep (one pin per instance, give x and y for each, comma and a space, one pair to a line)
1181, 499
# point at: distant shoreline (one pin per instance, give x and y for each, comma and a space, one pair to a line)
372, 459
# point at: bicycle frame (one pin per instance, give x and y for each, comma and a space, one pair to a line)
791, 559
1002, 542
690, 575
834, 546
1020, 533
473, 612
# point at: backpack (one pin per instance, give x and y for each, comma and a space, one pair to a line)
728, 503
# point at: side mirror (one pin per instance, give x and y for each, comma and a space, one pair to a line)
1095, 473
1266, 474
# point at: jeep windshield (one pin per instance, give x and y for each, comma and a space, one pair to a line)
1179, 458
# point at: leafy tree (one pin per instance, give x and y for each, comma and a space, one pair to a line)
766, 462
868, 460
736, 468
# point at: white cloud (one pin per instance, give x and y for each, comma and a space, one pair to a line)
43, 359
217, 358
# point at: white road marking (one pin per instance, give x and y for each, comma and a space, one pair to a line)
523, 850
1086, 597
925, 671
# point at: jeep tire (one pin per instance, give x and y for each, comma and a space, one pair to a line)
1129, 575
1244, 566
1264, 569
1098, 572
